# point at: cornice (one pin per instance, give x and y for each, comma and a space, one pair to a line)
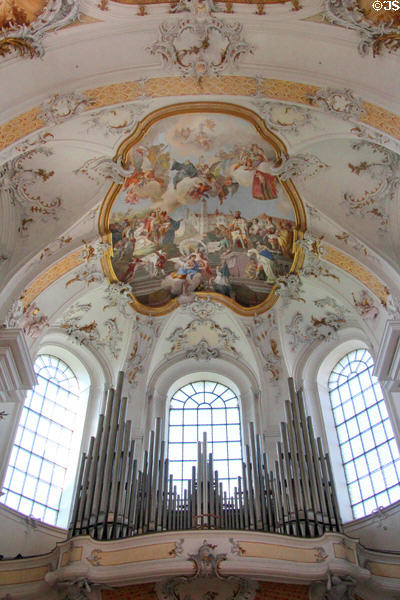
164, 87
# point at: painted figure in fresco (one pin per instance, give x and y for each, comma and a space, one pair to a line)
238, 231
221, 184
150, 172
183, 170
264, 184
186, 279
177, 239
285, 238
265, 260
142, 237
129, 274
225, 245
221, 282
172, 228
154, 263
204, 265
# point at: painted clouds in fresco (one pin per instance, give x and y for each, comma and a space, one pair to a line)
201, 210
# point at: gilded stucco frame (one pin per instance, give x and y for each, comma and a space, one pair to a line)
280, 151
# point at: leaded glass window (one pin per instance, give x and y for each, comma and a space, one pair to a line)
369, 450
213, 408
41, 452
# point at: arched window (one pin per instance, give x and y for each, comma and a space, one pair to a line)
368, 448
43, 446
213, 408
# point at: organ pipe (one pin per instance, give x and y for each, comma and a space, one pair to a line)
115, 498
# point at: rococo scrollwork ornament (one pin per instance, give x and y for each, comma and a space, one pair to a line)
384, 170
17, 178
376, 34
207, 582
339, 102
26, 37
200, 44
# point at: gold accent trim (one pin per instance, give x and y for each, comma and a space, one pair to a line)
223, 108
139, 554
127, 91
10, 44
278, 552
72, 555
340, 550
384, 569
23, 575
357, 270
150, 2
44, 280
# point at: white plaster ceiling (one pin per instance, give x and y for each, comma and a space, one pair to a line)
109, 48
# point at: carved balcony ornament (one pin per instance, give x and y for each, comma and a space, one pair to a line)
22, 31
336, 588
207, 582
200, 44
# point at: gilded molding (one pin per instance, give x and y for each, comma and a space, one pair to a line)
381, 569
51, 275
279, 552
102, 558
128, 91
333, 255
26, 575
354, 268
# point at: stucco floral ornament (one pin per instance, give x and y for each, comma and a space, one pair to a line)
320, 328
29, 318
200, 44
24, 37
17, 178
61, 107
384, 171
339, 102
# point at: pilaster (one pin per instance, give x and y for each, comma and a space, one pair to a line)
16, 376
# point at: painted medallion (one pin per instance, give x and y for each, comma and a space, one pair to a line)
200, 210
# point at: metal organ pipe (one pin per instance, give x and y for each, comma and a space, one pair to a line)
114, 498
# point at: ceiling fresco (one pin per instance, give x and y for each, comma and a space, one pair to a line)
24, 23
250, 232
19, 12
199, 212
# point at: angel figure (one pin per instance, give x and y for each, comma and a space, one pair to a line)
149, 173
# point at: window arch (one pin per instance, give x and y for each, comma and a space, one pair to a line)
205, 407
368, 448
45, 442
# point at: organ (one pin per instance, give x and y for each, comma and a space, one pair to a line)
119, 496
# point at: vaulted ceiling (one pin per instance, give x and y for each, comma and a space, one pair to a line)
319, 90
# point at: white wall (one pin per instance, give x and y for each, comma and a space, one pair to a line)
22, 535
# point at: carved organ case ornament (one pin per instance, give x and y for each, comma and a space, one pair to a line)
191, 211
207, 582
